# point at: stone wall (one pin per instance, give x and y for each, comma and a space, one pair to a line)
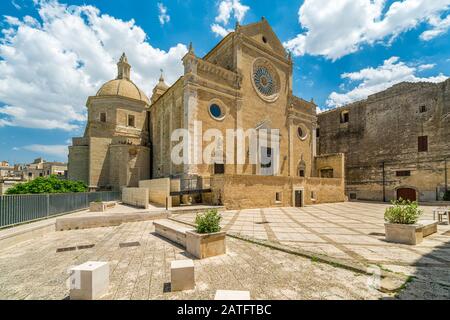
336, 162
382, 136
137, 197
78, 166
243, 192
158, 190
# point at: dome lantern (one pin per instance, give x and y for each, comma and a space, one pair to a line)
123, 68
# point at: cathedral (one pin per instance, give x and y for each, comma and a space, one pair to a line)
244, 83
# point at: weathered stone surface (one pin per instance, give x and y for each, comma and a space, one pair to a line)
404, 233
182, 275
386, 128
172, 231
137, 197
205, 245
141, 272
429, 227
89, 281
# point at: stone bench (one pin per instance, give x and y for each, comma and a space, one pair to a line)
171, 231
429, 227
106, 220
101, 206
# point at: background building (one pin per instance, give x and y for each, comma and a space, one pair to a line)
396, 143
11, 175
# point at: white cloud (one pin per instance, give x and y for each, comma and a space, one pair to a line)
48, 68
227, 9
424, 67
336, 28
373, 80
16, 5
439, 27
219, 30
60, 151
163, 16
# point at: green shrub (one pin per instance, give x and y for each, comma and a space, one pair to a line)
403, 212
49, 184
447, 196
208, 222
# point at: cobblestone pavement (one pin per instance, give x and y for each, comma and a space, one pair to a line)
349, 231
35, 270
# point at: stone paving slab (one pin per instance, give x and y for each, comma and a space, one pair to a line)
34, 270
351, 231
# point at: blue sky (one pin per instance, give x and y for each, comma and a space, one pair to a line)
53, 55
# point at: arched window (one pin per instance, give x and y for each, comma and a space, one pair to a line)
301, 170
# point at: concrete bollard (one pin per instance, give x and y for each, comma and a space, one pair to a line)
182, 275
89, 281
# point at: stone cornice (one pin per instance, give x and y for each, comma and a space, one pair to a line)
119, 100
233, 78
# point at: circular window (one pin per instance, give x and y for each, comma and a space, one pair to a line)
302, 133
264, 39
266, 80
216, 111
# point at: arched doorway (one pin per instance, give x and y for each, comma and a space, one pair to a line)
407, 194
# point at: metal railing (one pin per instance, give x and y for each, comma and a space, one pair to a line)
16, 209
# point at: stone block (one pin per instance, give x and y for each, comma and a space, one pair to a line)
403, 233
232, 295
97, 207
205, 245
171, 231
182, 275
89, 281
429, 227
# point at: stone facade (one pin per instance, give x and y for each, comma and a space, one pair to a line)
244, 83
226, 77
114, 151
395, 142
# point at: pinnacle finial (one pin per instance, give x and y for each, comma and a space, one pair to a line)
123, 58
238, 25
191, 48
161, 78
123, 68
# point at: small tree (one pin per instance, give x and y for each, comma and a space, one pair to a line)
208, 222
49, 184
403, 212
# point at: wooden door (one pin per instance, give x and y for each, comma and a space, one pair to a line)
298, 198
406, 194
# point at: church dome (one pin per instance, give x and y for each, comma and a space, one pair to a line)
123, 86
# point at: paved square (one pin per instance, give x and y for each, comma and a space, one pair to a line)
35, 270
352, 231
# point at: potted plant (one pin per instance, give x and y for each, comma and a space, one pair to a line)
401, 223
206, 240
